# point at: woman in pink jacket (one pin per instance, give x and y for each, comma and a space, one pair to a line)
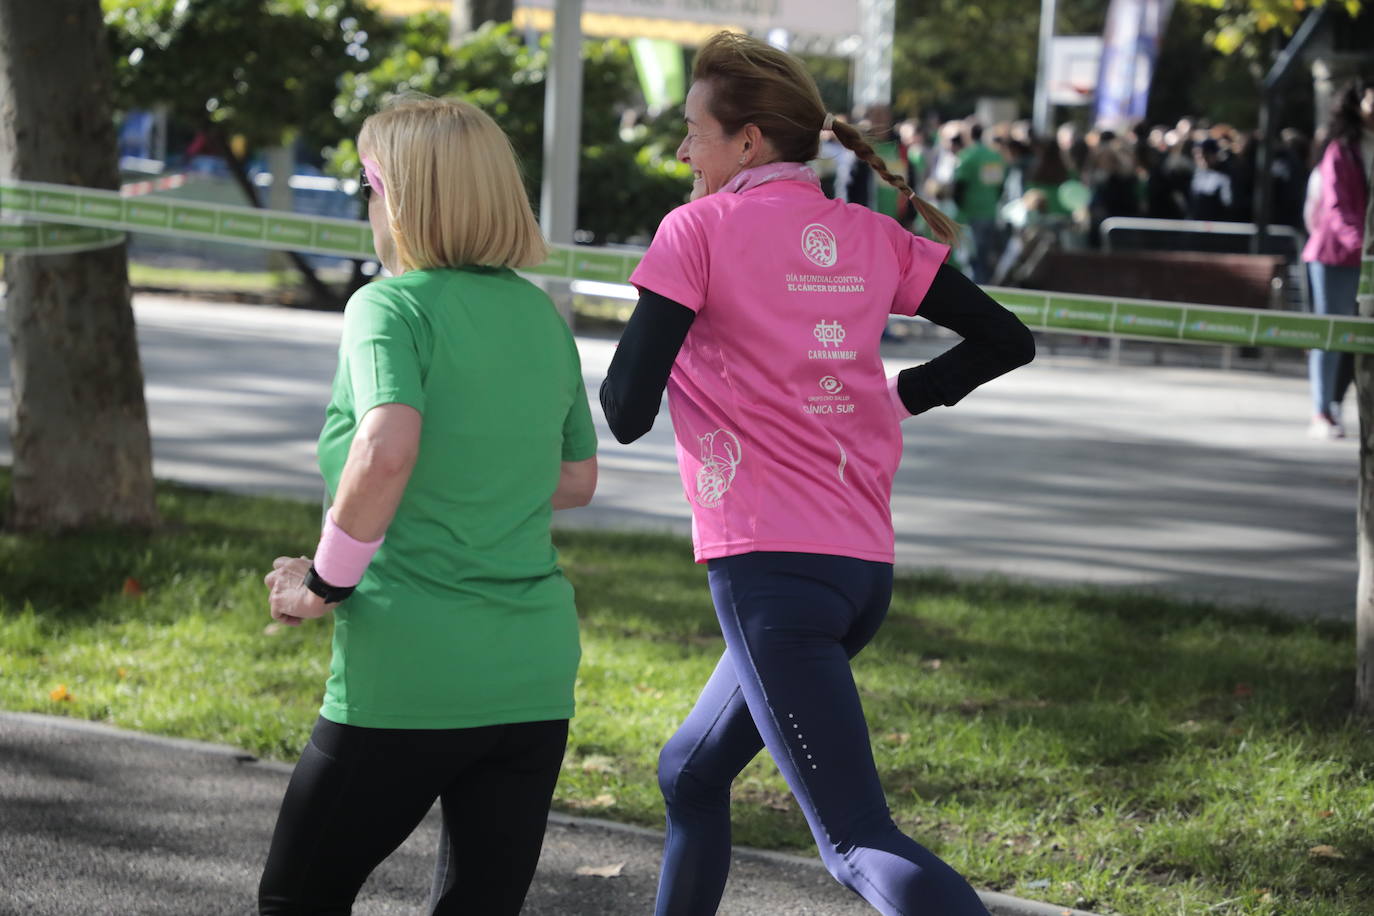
1333, 250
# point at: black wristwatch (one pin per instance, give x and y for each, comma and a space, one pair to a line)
332, 594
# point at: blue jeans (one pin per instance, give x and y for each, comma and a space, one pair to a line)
987, 248
1333, 293
791, 623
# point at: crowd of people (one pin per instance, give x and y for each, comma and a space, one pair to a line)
1001, 179
1017, 194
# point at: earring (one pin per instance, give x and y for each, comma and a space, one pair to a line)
741, 160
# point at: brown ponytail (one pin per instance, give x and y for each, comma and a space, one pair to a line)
945, 229
755, 83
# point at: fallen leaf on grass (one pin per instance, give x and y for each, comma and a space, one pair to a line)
1244, 690
1325, 813
756, 793
132, 587
1325, 852
602, 871
604, 800
598, 763
60, 694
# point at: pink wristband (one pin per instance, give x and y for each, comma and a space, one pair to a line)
340, 558
897, 405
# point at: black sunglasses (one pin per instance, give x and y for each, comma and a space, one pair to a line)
364, 189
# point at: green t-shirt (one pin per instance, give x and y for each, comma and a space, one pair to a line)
982, 171
463, 618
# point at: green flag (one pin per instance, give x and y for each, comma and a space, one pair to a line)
662, 73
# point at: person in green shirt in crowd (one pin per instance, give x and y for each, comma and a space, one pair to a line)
977, 190
458, 424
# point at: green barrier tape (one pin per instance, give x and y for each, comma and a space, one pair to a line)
39, 202
55, 238
1145, 319
91, 210
107, 210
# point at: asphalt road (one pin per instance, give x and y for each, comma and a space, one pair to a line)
1183, 479
99, 822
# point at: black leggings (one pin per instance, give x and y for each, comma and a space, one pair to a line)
357, 793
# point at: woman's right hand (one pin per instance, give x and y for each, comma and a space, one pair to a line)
288, 600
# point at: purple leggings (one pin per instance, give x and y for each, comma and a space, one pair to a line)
791, 623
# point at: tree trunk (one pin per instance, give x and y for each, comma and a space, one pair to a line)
1364, 595
79, 425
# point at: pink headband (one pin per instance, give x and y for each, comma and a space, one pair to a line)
374, 175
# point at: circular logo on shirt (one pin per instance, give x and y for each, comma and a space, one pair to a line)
818, 244
831, 385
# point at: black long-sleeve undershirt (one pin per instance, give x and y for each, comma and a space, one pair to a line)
634, 383
995, 342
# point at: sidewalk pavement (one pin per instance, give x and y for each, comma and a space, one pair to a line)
95, 821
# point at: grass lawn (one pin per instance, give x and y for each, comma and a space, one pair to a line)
192, 280
1124, 754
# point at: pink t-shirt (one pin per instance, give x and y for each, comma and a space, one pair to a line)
787, 438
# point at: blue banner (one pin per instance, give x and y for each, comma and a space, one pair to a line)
1130, 47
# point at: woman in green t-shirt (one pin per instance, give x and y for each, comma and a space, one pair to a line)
458, 423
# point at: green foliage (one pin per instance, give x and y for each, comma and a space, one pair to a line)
261, 69
1195, 79
273, 70
626, 184
1240, 23
948, 53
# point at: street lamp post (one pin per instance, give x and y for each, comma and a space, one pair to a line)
562, 124
873, 63
1040, 118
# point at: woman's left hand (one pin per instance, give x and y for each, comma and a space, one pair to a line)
290, 601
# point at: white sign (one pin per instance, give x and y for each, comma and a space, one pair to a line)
1073, 65
806, 17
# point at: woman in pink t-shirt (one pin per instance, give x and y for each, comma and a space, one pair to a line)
762, 304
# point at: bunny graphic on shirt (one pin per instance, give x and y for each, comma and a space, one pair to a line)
720, 455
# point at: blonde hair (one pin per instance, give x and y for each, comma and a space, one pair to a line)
453, 191
755, 83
